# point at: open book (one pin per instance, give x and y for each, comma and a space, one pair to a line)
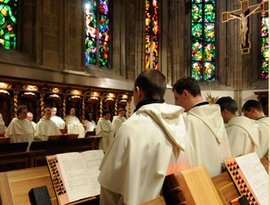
250, 177
74, 175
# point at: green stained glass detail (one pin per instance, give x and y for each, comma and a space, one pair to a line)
209, 32
8, 23
197, 51
91, 51
209, 13
203, 53
91, 32
196, 70
197, 30
196, 15
265, 47
209, 71
209, 52
264, 69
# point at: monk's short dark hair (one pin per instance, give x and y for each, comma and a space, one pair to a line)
252, 104
21, 108
121, 109
189, 84
105, 112
153, 83
227, 103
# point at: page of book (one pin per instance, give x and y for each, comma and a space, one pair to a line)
92, 159
255, 175
76, 176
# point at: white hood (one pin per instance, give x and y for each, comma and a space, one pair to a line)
211, 116
170, 119
248, 125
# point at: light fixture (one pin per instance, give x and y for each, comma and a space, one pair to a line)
5, 85
31, 88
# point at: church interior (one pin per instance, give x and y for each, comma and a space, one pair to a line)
87, 54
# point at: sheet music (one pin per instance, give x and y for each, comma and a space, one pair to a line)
75, 178
93, 159
256, 176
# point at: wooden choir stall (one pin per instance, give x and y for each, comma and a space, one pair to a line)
37, 95
193, 186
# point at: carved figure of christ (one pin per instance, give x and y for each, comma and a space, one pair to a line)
243, 14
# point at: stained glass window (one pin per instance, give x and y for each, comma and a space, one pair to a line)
151, 36
264, 44
203, 48
97, 31
8, 23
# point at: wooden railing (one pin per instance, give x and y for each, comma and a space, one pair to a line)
14, 155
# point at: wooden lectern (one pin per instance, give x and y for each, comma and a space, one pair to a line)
15, 186
193, 187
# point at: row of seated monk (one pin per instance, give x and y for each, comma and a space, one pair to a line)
21, 155
23, 129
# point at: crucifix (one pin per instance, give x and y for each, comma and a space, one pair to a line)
242, 15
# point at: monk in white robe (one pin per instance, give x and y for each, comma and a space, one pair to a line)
254, 110
242, 132
2, 125
104, 130
57, 120
20, 129
118, 120
74, 126
30, 116
204, 126
90, 123
46, 126
243, 135
263, 144
149, 145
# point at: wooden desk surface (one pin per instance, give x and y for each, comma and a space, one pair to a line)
15, 186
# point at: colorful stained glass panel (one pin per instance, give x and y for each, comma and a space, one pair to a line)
197, 51
196, 70
209, 13
209, 71
8, 23
104, 28
103, 54
196, 13
97, 32
91, 51
209, 32
197, 31
209, 52
203, 53
104, 7
151, 34
264, 70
